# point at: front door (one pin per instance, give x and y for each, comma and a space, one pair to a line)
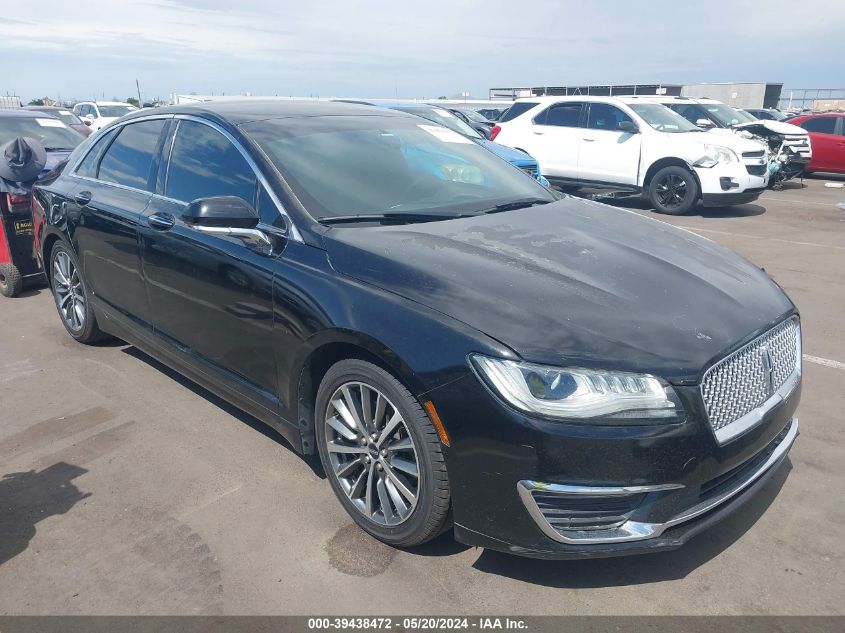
828, 146
211, 295
606, 154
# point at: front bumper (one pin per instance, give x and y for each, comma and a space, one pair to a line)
730, 183
683, 478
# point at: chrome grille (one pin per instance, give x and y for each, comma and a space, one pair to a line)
742, 381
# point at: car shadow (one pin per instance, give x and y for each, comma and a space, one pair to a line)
638, 570
27, 498
737, 211
823, 175
312, 461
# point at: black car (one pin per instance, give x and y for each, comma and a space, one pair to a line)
550, 376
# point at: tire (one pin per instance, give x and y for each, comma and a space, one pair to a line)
669, 183
11, 282
360, 467
78, 315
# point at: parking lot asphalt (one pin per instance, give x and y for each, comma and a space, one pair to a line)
125, 489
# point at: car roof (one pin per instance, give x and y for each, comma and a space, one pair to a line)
23, 114
628, 99
391, 104
45, 108
238, 111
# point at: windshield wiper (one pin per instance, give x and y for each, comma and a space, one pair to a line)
515, 204
58, 149
395, 218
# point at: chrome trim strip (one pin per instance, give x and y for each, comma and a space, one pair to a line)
637, 530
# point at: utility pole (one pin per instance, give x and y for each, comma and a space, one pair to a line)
138, 86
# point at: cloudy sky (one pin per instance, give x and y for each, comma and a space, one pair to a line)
425, 48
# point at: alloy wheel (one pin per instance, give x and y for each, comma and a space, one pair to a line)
671, 191
70, 295
372, 453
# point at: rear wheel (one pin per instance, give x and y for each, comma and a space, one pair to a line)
673, 190
73, 300
11, 282
381, 454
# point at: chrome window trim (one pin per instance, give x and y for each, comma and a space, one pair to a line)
638, 530
742, 425
293, 232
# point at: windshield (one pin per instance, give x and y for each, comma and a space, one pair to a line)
49, 131
115, 111
662, 118
475, 116
444, 118
67, 116
726, 115
350, 165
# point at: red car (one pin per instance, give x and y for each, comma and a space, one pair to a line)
827, 137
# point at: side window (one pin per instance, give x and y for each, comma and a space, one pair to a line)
204, 163
88, 166
604, 116
515, 110
561, 115
92, 110
821, 124
129, 160
690, 112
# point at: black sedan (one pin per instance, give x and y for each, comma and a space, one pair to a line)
463, 348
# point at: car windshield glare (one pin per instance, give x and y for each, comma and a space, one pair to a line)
348, 165
47, 130
444, 118
115, 111
662, 118
727, 115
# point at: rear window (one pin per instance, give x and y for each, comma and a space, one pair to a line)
129, 160
520, 107
47, 130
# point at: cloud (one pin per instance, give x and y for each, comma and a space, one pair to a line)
380, 47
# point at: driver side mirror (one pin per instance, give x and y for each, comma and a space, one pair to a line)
87, 120
704, 123
221, 211
629, 127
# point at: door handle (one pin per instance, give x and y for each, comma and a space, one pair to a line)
83, 198
588, 139
538, 132
161, 221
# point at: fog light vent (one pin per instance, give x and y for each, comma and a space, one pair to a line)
586, 512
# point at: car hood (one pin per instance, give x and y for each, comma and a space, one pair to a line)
573, 283
511, 155
776, 127
726, 138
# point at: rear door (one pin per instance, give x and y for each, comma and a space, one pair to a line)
116, 181
556, 133
606, 154
211, 295
828, 142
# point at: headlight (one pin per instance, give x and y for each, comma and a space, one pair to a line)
588, 396
714, 154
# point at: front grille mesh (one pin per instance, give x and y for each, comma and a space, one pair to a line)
739, 383
586, 512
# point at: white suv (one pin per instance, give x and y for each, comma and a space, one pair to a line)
98, 114
627, 144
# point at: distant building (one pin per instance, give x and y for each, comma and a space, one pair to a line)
739, 95
10, 102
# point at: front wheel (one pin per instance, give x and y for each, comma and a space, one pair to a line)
381, 454
673, 190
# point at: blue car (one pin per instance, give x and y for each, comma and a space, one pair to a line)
445, 118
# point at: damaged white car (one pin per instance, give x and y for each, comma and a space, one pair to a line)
789, 145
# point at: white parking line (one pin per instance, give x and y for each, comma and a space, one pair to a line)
824, 361
762, 237
821, 204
